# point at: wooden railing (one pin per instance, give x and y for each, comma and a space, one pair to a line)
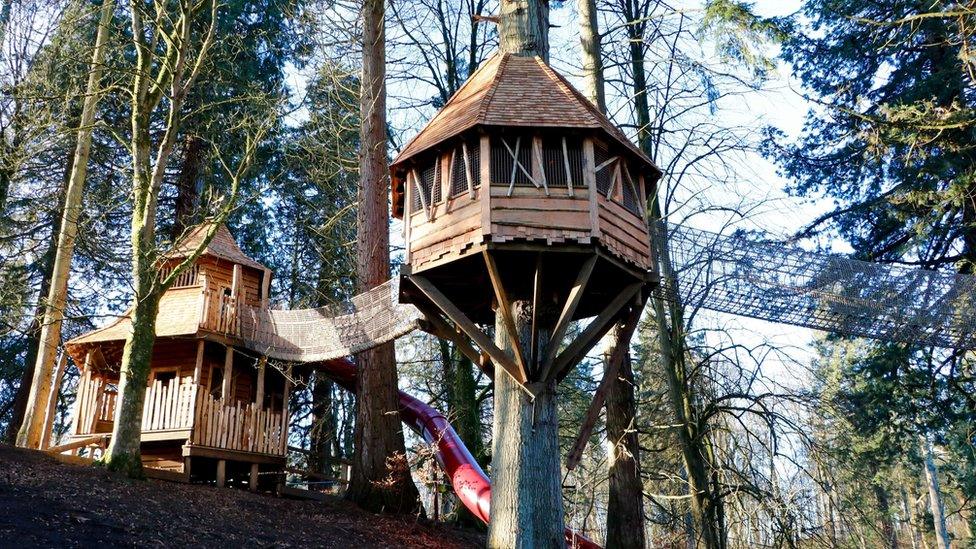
244, 427
169, 405
220, 312
189, 276
95, 405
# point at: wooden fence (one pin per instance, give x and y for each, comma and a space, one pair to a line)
169, 405
244, 427
220, 312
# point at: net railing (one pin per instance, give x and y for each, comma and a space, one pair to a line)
312, 335
742, 274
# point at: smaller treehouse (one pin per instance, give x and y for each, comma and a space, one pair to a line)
520, 189
212, 409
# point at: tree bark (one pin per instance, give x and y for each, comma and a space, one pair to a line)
50, 336
324, 427
381, 474
936, 504
590, 41
187, 195
526, 494
523, 27
625, 517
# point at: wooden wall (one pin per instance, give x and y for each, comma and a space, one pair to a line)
220, 275
529, 215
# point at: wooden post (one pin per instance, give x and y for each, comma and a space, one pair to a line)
484, 159
52, 402
222, 473
259, 390
589, 179
284, 411
266, 289
198, 366
235, 283
253, 481
227, 387
187, 468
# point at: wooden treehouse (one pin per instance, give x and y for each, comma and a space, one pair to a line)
212, 411
520, 189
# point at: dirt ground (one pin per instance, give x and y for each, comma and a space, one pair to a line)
44, 503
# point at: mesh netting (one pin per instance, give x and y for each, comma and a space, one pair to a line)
311, 335
743, 275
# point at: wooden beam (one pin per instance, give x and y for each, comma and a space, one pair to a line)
468, 176
599, 326
259, 390
609, 375
566, 316
252, 484
221, 473
438, 327
484, 195
265, 288
589, 179
534, 329
467, 326
505, 305
226, 387
235, 282
540, 167
569, 171
198, 366
96, 439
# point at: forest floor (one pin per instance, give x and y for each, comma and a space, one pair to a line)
45, 503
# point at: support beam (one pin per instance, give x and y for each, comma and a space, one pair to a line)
467, 326
597, 328
438, 327
566, 316
227, 387
259, 390
198, 366
611, 368
252, 484
504, 305
221, 473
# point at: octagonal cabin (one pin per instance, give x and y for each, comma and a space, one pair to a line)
519, 165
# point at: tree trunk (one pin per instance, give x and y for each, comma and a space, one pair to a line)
381, 475
124, 453
19, 407
888, 531
935, 495
592, 54
50, 337
526, 491
625, 517
523, 27
323, 430
187, 194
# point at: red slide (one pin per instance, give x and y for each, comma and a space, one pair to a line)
470, 482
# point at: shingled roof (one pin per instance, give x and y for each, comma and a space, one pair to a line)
515, 91
222, 246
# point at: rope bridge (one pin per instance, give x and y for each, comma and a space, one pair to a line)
738, 274
743, 275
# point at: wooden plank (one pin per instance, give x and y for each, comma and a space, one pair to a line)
259, 390
569, 171
579, 347
566, 315
221, 473
506, 307
87, 441
467, 326
468, 174
538, 169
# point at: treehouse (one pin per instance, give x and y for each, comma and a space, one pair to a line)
212, 410
520, 189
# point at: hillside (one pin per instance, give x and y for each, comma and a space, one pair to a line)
46, 503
